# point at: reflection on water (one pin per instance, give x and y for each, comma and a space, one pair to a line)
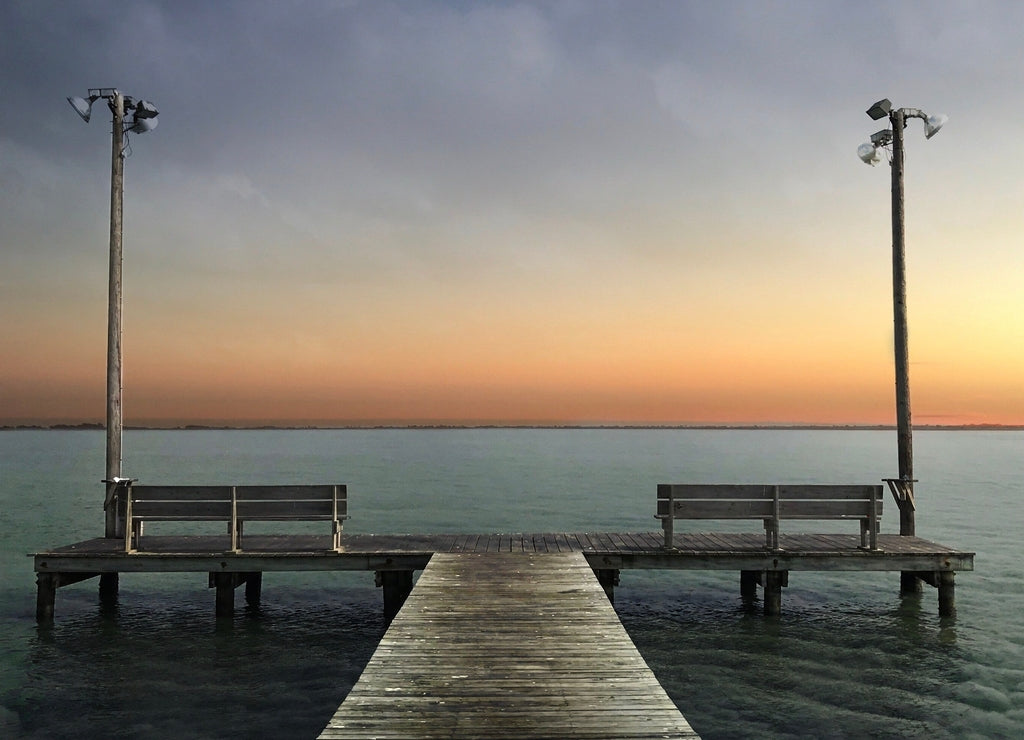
162, 667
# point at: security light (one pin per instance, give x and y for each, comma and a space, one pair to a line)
142, 125
145, 109
932, 124
82, 107
880, 109
868, 154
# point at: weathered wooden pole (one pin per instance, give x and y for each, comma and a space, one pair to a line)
113, 525
909, 582
114, 302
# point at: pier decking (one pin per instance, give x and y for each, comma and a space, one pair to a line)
507, 645
394, 557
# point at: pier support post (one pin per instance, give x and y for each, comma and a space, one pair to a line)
253, 588
947, 589
397, 585
910, 584
108, 589
609, 579
774, 580
225, 583
46, 594
748, 585
109, 583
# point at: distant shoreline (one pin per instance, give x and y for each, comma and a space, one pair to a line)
442, 427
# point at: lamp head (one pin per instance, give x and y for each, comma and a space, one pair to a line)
868, 154
882, 138
145, 109
142, 125
880, 109
932, 124
82, 107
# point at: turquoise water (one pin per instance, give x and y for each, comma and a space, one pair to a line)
848, 658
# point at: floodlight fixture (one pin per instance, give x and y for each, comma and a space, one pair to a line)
82, 107
138, 116
880, 109
145, 109
882, 138
932, 124
142, 125
868, 154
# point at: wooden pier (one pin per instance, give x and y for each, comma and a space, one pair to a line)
507, 645
394, 558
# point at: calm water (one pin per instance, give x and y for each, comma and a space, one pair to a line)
848, 659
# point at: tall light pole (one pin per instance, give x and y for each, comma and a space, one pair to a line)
903, 486
141, 117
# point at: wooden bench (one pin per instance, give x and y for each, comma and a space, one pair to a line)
234, 505
771, 504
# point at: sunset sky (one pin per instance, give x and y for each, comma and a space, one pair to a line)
512, 212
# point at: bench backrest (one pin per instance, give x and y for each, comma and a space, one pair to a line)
710, 501
281, 503
251, 503
199, 503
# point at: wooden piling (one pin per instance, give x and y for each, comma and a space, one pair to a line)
109, 583
947, 590
748, 585
46, 595
253, 588
397, 585
225, 584
609, 579
774, 580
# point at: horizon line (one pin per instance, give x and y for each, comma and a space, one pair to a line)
98, 426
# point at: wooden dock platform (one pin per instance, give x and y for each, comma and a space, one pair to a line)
509, 644
394, 557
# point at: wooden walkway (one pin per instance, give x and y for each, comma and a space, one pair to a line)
507, 645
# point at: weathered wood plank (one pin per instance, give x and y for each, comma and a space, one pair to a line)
515, 645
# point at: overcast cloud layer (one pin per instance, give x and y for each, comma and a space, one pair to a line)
549, 196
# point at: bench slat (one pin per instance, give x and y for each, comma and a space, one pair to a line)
285, 509
181, 510
712, 491
862, 493
826, 509
274, 493
739, 509
180, 493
